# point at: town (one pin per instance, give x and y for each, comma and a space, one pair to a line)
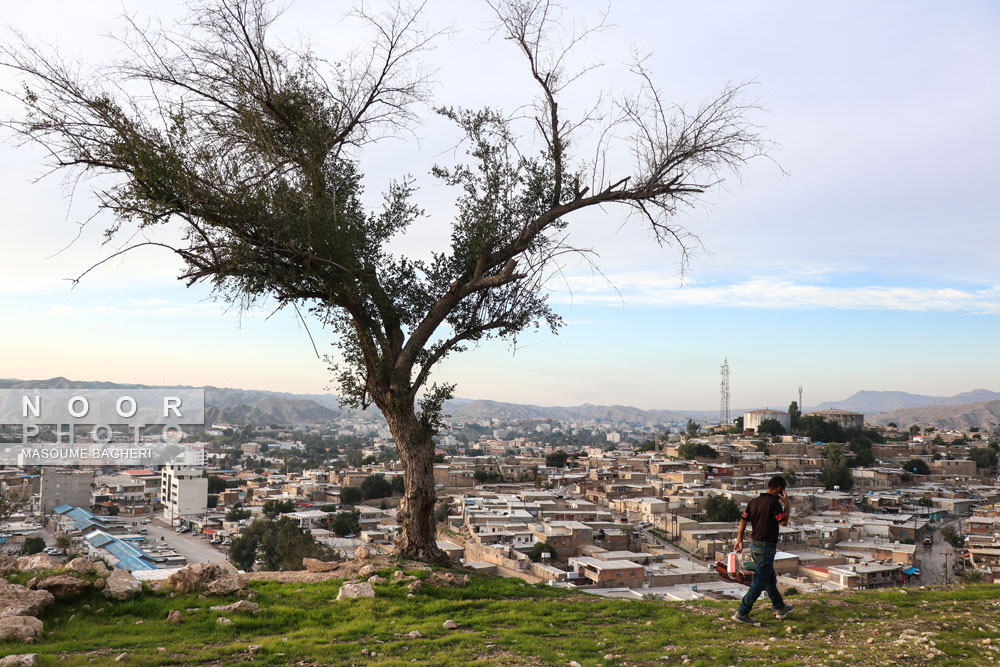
617, 509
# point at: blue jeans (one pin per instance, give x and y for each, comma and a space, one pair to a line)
764, 578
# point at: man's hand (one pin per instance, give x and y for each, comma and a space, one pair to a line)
784, 498
738, 547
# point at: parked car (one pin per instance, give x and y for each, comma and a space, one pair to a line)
147, 520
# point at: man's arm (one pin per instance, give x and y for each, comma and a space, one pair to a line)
739, 535
782, 517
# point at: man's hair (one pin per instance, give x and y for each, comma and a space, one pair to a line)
776, 482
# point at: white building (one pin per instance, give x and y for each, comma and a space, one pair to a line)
752, 419
183, 492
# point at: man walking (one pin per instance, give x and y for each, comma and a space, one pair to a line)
765, 513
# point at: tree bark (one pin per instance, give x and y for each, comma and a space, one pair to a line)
416, 511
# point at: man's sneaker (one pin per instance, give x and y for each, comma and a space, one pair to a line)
745, 618
783, 613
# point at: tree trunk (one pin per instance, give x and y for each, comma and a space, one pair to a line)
416, 511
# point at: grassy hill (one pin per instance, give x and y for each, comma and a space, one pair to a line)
509, 622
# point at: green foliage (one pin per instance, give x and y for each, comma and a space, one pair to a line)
280, 543
556, 459
692, 450
346, 523
376, 486
949, 535
917, 467
973, 576
985, 457
398, 484
539, 548
351, 495
272, 508
836, 472
482, 476
925, 502
32, 545
770, 427
794, 415
216, 484
738, 424
721, 508
692, 428
821, 430
791, 477
237, 513
862, 448
442, 511
914, 430
212, 501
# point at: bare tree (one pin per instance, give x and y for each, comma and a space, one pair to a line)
251, 148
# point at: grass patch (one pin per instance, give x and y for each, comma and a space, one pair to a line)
510, 622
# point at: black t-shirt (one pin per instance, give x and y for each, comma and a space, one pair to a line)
764, 513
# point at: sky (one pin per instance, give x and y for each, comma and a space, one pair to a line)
861, 255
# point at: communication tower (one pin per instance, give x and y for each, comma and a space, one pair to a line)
724, 408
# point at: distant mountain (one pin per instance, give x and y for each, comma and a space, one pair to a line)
873, 402
252, 406
985, 415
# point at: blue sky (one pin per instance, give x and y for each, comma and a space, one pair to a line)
868, 260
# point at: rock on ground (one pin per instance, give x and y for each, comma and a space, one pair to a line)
368, 571
450, 625
222, 620
362, 590
100, 569
8, 564
317, 565
64, 586
19, 660
194, 577
25, 628
175, 616
227, 584
81, 565
37, 562
121, 586
363, 553
16, 600
240, 605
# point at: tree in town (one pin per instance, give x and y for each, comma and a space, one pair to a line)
863, 454
692, 428
721, 508
540, 548
216, 484
949, 535
351, 495
914, 430
398, 485
32, 545
791, 477
249, 152
272, 508
770, 427
556, 459
346, 523
794, 415
281, 544
835, 471
925, 502
442, 511
917, 467
820, 430
13, 500
113, 510
693, 450
237, 513
738, 424
376, 486
985, 457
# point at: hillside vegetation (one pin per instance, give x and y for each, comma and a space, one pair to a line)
509, 622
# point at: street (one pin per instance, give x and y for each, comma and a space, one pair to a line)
195, 549
932, 561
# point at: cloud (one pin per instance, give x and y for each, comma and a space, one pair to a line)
648, 289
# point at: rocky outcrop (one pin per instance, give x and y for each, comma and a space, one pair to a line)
81, 565
227, 584
8, 564
37, 562
350, 591
194, 577
16, 600
100, 569
241, 605
19, 660
363, 553
64, 586
368, 570
121, 586
25, 628
316, 565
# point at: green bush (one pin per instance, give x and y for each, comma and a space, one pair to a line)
32, 545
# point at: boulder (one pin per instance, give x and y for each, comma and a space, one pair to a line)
121, 586
19, 660
99, 583
368, 570
450, 625
175, 616
414, 634
37, 562
64, 586
375, 579
317, 565
81, 565
222, 620
227, 584
415, 586
121, 657
362, 590
8, 564
363, 553
194, 577
25, 628
18, 600
100, 569
239, 605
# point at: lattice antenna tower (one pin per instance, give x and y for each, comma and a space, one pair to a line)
724, 407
